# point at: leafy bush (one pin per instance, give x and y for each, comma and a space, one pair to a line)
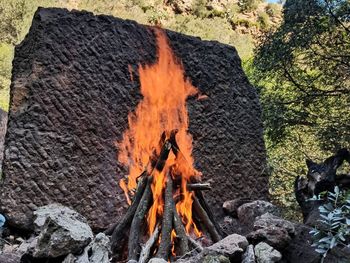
335, 229
263, 20
273, 9
248, 5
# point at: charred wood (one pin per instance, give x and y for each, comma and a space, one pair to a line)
147, 248
119, 230
136, 224
167, 223
204, 218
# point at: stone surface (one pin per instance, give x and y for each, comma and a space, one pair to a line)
71, 93
249, 256
276, 237
96, 252
248, 212
61, 234
268, 220
55, 212
10, 257
230, 207
157, 260
266, 254
231, 246
3, 125
215, 259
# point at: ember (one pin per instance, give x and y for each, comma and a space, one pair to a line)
162, 187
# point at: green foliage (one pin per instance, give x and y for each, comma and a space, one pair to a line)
264, 20
307, 61
302, 73
273, 10
248, 5
335, 223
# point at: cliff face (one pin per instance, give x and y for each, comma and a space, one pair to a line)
70, 97
3, 124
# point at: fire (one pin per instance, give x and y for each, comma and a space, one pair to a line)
163, 108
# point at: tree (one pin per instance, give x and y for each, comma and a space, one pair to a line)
302, 70
307, 64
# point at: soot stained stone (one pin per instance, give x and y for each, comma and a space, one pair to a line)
71, 93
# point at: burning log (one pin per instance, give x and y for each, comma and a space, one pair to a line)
198, 186
171, 221
167, 223
207, 209
119, 229
135, 229
146, 249
181, 236
204, 218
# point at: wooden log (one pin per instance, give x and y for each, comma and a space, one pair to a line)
195, 244
209, 212
146, 249
198, 186
167, 222
163, 156
204, 218
134, 247
119, 229
181, 236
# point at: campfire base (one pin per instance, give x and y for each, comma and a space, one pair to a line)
169, 240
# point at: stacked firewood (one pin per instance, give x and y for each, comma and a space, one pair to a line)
129, 233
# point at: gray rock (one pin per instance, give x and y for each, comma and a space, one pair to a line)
157, 260
268, 220
96, 252
266, 254
215, 259
70, 259
249, 256
248, 212
231, 246
100, 248
55, 212
62, 233
230, 207
275, 236
10, 257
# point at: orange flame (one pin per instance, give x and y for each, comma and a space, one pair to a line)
163, 108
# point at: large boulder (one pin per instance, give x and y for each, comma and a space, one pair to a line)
71, 94
61, 234
3, 125
266, 254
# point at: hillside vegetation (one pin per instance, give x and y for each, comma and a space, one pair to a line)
238, 23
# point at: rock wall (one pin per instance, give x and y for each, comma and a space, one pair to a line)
3, 124
70, 97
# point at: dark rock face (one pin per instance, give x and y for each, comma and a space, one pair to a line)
70, 96
3, 124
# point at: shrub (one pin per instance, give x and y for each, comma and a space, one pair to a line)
248, 5
335, 229
273, 9
263, 20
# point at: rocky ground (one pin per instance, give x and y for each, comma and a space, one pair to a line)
256, 233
